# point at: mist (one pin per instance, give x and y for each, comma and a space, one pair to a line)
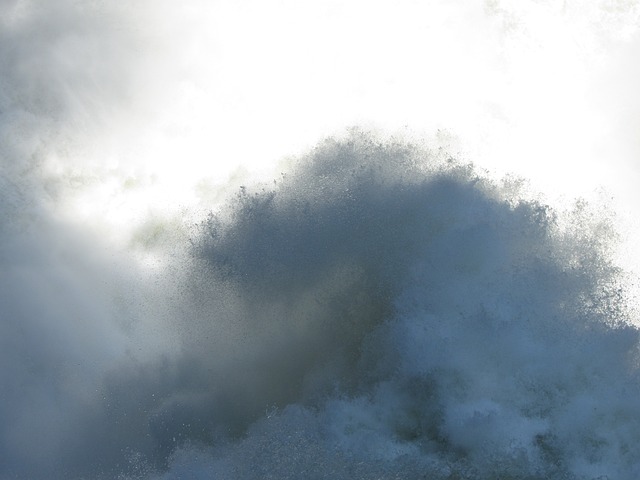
333, 241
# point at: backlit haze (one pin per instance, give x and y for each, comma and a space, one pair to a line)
337, 239
162, 107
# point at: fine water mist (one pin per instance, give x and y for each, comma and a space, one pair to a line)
205, 274
379, 311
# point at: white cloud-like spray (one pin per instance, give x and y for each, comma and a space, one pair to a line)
381, 309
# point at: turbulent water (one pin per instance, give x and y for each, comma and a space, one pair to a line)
382, 309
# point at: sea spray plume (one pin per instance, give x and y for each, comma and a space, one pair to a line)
380, 312
384, 312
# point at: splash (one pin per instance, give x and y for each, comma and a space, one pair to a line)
385, 312
380, 311
383, 309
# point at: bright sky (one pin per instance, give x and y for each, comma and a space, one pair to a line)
224, 90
